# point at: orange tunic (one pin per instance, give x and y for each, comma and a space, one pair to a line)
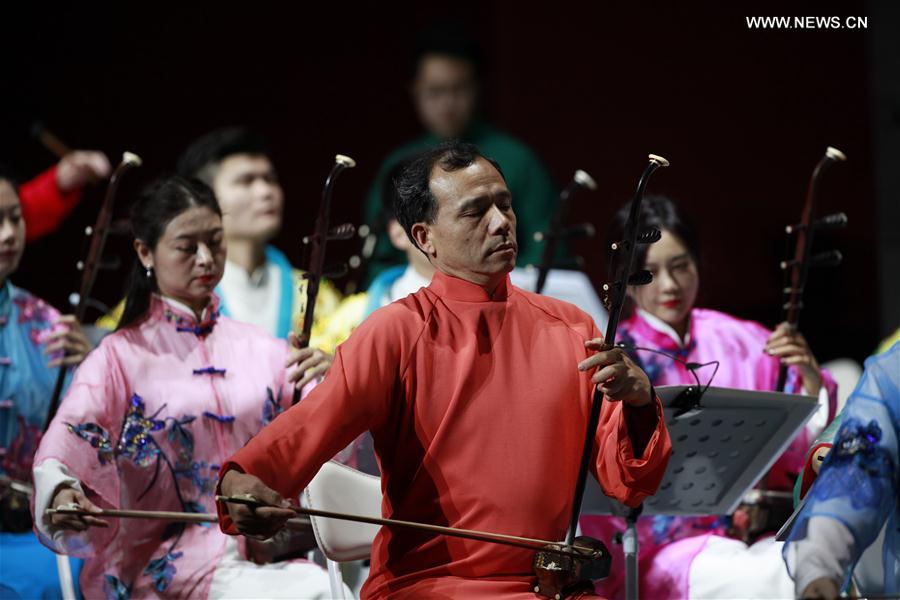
477, 410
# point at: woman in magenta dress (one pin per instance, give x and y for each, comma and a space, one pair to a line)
153, 411
701, 557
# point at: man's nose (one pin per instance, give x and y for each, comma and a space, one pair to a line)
499, 224
263, 188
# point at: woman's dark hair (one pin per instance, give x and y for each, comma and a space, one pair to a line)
161, 202
660, 212
6, 174
414, 202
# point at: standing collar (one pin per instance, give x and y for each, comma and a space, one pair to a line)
453, 288
664, 328
182, 316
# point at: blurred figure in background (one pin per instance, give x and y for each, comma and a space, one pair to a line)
445, 87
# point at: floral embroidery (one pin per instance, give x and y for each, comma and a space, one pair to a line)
161, 570
203, 475
115, 589
183, 439
271, 408
32, 308
136, 442
857, 466
97, 437
667, 528
19, 456
219, 418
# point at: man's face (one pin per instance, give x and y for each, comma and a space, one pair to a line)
250, 196
444, 92
473, 235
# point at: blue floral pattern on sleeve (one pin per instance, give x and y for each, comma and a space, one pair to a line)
858, 466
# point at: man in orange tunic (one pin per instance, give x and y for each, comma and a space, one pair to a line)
477, 395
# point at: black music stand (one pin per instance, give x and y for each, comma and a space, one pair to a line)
720, 449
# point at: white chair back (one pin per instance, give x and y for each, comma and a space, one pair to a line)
338, 488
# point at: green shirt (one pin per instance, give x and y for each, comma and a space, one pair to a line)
533, 191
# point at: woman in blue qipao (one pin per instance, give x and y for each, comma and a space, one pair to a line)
34, 341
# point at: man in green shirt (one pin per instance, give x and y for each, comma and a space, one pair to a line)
445, 92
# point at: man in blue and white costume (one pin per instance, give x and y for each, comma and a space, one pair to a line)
855, 494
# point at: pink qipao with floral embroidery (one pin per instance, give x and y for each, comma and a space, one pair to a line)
669, 544
147, 420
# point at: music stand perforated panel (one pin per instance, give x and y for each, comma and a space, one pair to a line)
720, 450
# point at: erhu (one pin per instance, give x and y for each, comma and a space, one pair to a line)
558, 232
317, 243
796, 268
91, 264
555, 579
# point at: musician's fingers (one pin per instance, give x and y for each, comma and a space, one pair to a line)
86, 504
613, 388
601, 359
607, 373
274, 514
311, 374
595, 344
69, 339
313, 361
788, 349
68, 361
298, 355
95, 522
797, 360
293, 340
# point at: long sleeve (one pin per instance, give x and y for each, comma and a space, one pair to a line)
354, 397
44, 206
857, 485
81, 439
621, 475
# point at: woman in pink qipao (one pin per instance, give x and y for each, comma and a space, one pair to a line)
153, 411
704, 557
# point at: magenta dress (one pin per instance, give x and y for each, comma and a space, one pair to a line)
738, 346
149, 417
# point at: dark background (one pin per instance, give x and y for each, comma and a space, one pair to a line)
742, 114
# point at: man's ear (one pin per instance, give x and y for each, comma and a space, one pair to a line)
421, 233
145, 255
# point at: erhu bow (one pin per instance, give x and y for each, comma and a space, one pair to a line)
319, 239
554, 580
796, 269
91, 264
558, 232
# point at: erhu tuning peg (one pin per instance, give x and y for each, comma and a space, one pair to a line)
342, 232
642, 277
651, 236
834, 221
832, 258
335, 271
